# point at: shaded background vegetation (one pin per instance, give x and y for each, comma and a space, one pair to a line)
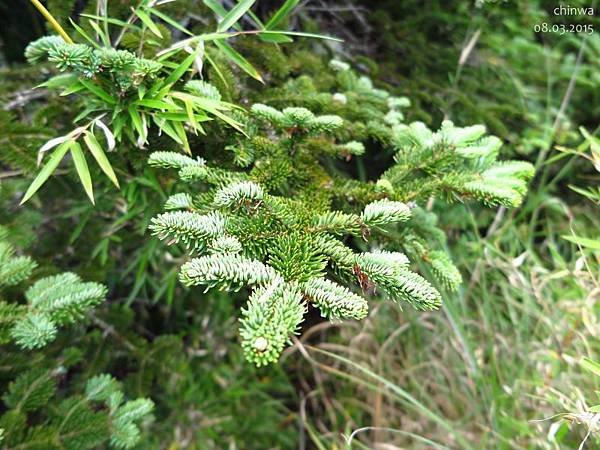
501, 353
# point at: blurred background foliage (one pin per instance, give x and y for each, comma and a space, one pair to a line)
502, 354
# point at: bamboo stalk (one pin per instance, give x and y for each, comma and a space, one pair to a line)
52, 21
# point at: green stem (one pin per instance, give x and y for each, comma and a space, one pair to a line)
52, 21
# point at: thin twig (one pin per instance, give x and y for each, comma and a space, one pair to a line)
24, 97
52, 21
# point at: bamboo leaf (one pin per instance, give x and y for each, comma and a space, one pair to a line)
146, 20
110, 20
74, 87
182, 68
275, 38
98, 91
281, 14
63, 80
96, 150
82, 169
52, 143
217, 70
170, 21
220, 11
178, 127
110, 138
183, 117
166, 53
165, 126
300, 34
83, 114
46, 171
594, 244
137, 122
255, 18
235, 14
189, 109
157, 104
105, 39
591, 366
216, 7
238, 60
82, 32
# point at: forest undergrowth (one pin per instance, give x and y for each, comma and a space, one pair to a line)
276, 225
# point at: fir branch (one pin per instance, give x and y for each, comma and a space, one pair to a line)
237, 194
272, 314
172, 160
226, 271
335, 301
190, 228
382, 212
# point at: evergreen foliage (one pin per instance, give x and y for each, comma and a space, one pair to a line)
54, 301
303, 199
83, 421
51, 301
33, 417
135, 94
281, 224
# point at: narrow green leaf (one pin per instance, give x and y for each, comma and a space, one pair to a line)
235, 14
110, 20
216, 7
86, 112
98, 91
47, 170
157, 104
183, 117
103, 37
213, 107
255, 18
594, 244
238, 60
165, 126
164, 91
82, 32
182, 68
168, 52
58, 81
591, 365
220, 11
590, 195
593, 140
275, 38
205, 103
235, 124
281, 14
73, 88
137, 121
82, 169
300, 34
96, 150
595, 409
170, 21
145, 18
178, 127
217, 70
189, 109
117, 125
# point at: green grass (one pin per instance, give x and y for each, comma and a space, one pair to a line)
502, 355
499, 366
